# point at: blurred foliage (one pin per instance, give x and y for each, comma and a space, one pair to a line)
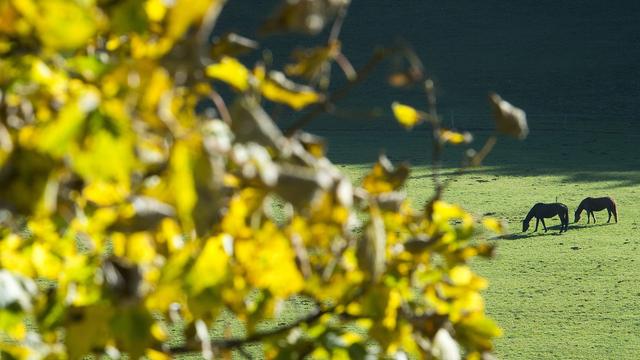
124, 209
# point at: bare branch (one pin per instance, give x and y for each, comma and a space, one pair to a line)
232, 343
337, 24
222, 107
340, 93
205, 30
437, 145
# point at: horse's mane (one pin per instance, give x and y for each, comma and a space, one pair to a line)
530, 214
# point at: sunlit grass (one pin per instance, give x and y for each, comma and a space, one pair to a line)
568, 296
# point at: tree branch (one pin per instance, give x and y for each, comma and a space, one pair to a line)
233, 343
340, 93
437, 144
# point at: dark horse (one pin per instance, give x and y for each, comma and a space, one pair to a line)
541, 211
596, 204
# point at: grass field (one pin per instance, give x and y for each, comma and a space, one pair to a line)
568, 296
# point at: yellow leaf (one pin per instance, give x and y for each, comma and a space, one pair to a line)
6, 144
460, 275
391, 311
349, 338
406, 115
183, 182
212, 261
231, 71
480, 329
140, 248
65, 24
269, 261
384, 177
105, 157
45, 262
185, 13
58, 136
494, 225
155, 9
157, 355
113, 43
143, 47
159, 84
159, 331
119, 242
105, 193
276, 87
454, 137
443, 211
311, 62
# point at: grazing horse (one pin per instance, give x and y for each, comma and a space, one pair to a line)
541, 211
596, 204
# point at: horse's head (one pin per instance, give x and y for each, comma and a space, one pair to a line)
577, 215
525, 225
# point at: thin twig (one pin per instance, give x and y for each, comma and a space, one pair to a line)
340, 93
337, 24
335, 259
222, 107
301, 255
437, 144
205, 30
346, 67
232, 343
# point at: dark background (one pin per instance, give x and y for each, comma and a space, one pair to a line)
573, 66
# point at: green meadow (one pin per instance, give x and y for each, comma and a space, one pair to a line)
557, 296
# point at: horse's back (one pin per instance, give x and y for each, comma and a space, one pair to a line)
562, 208
601, 203
550, 209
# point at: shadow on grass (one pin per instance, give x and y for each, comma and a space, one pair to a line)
576, 158
614, 178
520, 236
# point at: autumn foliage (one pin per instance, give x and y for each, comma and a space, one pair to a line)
135, 198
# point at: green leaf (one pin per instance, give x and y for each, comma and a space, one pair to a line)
132, 329
58, 137
129, 16
87, 328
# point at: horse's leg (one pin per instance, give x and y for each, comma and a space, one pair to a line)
543, 224
588, 217
593, 213
609, 219
537, 221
